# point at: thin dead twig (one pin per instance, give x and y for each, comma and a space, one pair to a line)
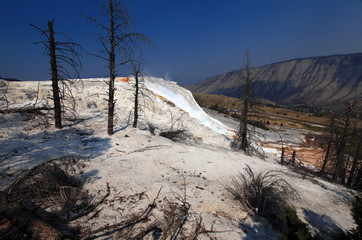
92, 206
27, 110
123, 225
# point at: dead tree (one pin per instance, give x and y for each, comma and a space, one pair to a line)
357, 184
243, 128
63, 55
356, 164
136, 68
3, 96
282, 162
332, 127
343, 144
54, 69
354, 151
243, 137
292, 160
340, 168
118, 42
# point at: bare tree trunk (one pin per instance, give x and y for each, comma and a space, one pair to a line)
117, 38
293, 158
327, 155
283, 149
136, 73
357, 183
282, 156
112, 73
355, 164
135, 120
339, 174
244, 127
340, 170
5, 98
65, 65
244, 120
53, 62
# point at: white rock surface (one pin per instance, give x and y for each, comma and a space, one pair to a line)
134, 162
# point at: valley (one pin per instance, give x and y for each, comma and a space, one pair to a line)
181, 120
309, 132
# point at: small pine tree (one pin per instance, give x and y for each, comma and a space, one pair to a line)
357, 216
296, 229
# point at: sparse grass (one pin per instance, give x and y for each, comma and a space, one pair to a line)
268, 194
206, 100
264, 192
290, 118
314, 128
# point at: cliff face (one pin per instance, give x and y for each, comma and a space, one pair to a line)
321, 81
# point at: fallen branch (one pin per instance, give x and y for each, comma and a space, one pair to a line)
5, 98
214, 231
197, 229
148, 148
151, 148
91, 207
181, 224
141, 235
123, 225
27, 110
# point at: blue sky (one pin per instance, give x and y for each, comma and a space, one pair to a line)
194, 39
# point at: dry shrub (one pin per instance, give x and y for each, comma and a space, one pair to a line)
268, 194
175, 215
265, 192
175, 135
180, 136
50, 186
42, 202
172, 220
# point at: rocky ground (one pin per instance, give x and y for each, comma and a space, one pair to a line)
141, 168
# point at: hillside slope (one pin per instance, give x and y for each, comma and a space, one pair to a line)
138, 166
322, 81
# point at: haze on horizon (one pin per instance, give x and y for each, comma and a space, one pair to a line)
193, 39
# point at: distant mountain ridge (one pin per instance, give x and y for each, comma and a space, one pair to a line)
9, 79
318, 81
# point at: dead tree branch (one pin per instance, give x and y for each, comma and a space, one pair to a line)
111, 229
65, 72
117, 40
3, 97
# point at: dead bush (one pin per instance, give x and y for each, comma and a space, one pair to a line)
175, 135
168, 218
265, 192
180, 136
176, 213
51, 185
42, 201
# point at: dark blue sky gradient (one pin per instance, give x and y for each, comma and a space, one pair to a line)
194, 39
